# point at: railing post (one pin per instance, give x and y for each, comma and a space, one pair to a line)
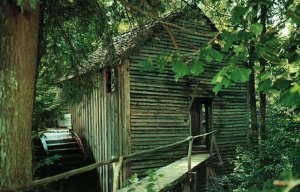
190, 154
116, 169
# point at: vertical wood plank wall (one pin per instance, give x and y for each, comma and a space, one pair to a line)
99, 121
160, 106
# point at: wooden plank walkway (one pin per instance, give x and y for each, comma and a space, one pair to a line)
171, 173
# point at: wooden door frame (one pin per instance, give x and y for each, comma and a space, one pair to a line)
195, 111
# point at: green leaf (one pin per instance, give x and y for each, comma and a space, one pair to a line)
33, 3
265, 85
214, 54
233, 59
289, 98
282, 84
256, 28
217, 88
20, 3
240, 74
263, 76
295, 88
226, 82
147, 64
258, 68
134, 178
217, 78
150, 172
237, 14
239, 48
295, 15
180, 69
208, 58
197, 68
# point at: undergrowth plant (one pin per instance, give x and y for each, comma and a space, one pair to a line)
135, 186
276, 157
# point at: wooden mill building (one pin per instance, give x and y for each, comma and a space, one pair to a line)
132, 109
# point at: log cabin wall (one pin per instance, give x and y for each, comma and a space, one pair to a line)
159, 106
99, 121
149, 108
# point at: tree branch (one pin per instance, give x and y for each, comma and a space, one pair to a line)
156, 18
171, 36
166, 28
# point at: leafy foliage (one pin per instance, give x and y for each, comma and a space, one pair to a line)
134, 184
245, 39
276, 157
32, 4
73, 29
46, 162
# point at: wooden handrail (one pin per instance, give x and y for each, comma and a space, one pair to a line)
87, 168
205, 134
213, 144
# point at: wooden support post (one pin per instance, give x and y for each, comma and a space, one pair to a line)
207, 176
190, 183
116, 169
193, 176
211, 178
190, 154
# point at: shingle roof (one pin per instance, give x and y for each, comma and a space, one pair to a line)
125, 45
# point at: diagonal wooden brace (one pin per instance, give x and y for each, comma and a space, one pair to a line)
214, 145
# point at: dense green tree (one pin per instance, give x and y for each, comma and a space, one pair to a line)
70, 31
251, 32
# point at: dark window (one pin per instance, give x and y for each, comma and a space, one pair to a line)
108, 81
201, 118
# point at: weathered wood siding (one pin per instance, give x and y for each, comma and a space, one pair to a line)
159, 106
99, 121
149, 109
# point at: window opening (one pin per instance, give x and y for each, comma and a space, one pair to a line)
108, 81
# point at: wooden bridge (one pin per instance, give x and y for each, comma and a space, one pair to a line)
171, 173
177, 171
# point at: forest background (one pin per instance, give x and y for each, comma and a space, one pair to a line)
262, 34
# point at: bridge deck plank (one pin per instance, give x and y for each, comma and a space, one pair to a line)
170, 173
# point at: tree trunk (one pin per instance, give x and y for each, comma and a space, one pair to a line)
262, 96
252, 100
18, 52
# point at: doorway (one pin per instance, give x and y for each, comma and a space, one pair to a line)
201, 118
